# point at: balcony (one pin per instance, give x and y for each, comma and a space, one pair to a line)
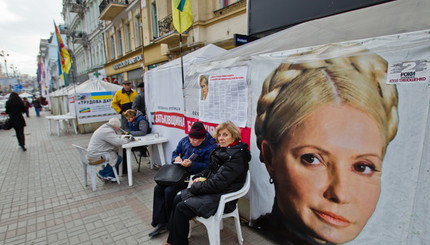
165, 26
109, 9
76, 6
80, 37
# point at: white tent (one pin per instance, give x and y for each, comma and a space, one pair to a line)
98, 110
94, 85
163, 87
404, 187
26, 95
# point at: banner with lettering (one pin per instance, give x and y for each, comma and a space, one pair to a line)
94, 106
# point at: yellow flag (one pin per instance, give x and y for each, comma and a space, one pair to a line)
182, 15
64, 56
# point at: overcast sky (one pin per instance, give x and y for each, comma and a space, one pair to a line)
22, 24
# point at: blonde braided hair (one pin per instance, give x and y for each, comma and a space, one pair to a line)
325, 75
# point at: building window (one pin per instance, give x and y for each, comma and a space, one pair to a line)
127, 37
225, 3
112, 47
119, 36
154, 20
138, 29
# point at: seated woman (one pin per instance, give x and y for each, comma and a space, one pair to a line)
227, 171
137, 124
198, 143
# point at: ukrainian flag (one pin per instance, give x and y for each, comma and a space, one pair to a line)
182, 15
101, 95
85, 110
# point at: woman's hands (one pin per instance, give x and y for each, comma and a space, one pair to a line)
186, 163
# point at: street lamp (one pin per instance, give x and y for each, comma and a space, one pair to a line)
4, 54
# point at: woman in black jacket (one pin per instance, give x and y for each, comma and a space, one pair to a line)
227, 171
15, 107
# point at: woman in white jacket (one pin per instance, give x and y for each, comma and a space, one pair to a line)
106, 139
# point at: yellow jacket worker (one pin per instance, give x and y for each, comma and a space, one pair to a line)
123, 100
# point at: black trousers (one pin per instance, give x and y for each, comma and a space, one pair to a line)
20, 135
163, 203
179, 224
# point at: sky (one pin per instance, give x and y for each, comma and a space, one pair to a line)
22, 24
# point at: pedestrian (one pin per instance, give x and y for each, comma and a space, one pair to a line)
37, 106
106, 139
139, 101
15, 108
27, 106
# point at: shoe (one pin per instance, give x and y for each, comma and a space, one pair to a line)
23, 148
160, 228
101, 177
110, 179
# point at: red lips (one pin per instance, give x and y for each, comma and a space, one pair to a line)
332, 218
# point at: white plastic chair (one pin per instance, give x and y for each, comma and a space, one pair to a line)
91, 161
214, 223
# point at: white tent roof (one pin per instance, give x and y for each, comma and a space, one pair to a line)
94, 85
380, 20
61, 91
25, 94
201, 54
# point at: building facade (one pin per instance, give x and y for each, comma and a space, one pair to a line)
85, 35
139, 34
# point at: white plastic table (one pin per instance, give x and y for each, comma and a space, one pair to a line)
59, 119
148, 140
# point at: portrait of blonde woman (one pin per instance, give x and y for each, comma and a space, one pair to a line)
324, 121
204, 87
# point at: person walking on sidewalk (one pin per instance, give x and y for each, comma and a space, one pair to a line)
105, 139
27, 106
37, 106
14, 108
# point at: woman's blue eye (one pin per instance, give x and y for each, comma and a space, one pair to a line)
310, 159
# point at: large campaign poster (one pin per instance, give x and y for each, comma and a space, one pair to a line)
339, 142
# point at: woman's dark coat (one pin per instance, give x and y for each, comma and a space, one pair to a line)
15, 111
227, 172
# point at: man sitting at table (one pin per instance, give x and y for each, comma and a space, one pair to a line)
105, 139
199, 142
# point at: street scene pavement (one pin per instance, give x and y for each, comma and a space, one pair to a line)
44, 199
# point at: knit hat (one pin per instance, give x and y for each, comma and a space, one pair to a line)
197, 131
114, 122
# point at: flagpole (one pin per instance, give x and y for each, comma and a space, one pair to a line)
182, 60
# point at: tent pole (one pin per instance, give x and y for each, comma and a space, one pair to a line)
182, 61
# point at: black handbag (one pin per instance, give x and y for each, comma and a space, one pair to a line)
7, 125
171, 174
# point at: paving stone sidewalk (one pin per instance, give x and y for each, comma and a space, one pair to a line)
44, 200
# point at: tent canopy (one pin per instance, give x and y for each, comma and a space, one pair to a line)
94, 85
26, 95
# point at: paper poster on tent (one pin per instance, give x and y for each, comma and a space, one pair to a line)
224, 96
94, 107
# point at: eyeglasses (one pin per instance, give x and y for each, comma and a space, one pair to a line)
128, 84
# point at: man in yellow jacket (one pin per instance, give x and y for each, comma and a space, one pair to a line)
123, 100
